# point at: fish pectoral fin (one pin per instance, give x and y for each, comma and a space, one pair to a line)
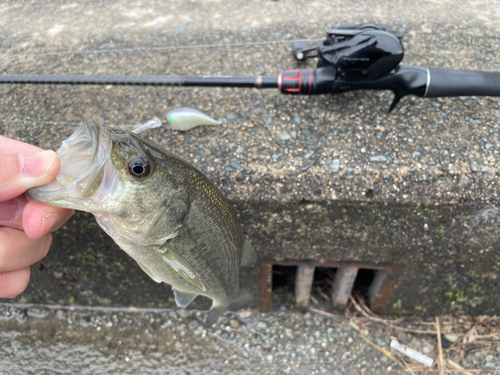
183, 299
248, 256
182, 267
145, 269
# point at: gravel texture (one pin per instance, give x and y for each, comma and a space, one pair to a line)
50, 340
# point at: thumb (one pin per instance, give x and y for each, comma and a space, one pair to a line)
19, 172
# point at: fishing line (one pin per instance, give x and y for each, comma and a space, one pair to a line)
19, 122
118, 50
40, 122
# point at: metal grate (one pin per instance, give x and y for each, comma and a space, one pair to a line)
381, 283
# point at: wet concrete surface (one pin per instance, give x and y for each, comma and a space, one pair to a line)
311, 177
437, 246
436, 150
52, 340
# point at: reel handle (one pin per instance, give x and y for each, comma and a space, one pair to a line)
303, 50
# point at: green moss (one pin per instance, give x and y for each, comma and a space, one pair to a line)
398, 305
476, 288
418, 307
71, 299
120, 266
460, 297
457, 296
441, 227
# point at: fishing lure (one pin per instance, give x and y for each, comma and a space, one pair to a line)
182, 119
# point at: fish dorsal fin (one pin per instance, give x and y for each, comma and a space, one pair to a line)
145, 269
183, 299
248, 256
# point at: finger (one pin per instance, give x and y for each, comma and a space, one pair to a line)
14, 283
18, 251
39, 219
11, 212
20, 172
11, 146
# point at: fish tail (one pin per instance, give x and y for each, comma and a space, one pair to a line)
243, 301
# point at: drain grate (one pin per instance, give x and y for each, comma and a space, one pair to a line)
373, 281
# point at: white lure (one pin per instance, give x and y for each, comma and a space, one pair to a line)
184, 119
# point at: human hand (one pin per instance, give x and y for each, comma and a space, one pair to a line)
25, 225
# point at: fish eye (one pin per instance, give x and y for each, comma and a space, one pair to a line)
164, 119
138, 167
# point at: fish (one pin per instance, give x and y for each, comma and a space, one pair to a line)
162, 211
184, 119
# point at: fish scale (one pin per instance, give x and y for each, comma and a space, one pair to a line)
163, 212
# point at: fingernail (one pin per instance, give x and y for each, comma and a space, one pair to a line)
48, 222
37, 164
10, 210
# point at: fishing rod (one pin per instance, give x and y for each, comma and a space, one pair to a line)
352, 57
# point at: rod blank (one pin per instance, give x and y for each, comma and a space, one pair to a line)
258, 81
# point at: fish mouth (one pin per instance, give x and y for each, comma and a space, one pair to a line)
83, 158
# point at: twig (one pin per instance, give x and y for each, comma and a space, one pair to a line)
466, 338
380, 320
407, 366
322, 294
429, 369
479, 343
368, 311
440, 348
457, 367
387, 353
314, 300
324, 313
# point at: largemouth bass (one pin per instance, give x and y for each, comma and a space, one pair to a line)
161, 210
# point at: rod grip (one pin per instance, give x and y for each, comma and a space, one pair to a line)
447, 82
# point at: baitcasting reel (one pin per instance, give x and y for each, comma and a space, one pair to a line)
365, 51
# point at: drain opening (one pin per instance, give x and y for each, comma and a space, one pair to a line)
321, 291
363, 283
328, 285
284, 279
283, 284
